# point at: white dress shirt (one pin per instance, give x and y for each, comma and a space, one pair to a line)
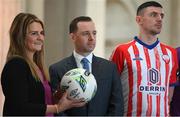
79, 57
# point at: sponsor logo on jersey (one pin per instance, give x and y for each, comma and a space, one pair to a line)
153, 87
137, 57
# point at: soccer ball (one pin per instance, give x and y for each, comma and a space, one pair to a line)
79, 84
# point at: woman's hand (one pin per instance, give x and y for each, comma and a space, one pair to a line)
66, 103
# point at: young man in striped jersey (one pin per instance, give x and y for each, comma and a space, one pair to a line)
147, 66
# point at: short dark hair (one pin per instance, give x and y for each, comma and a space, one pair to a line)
74, 22
148, 4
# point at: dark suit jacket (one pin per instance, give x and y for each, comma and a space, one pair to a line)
108, 99
23, 94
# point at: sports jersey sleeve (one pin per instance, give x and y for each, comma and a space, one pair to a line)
118, 58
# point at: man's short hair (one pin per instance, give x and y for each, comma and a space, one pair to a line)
147, 4
73, 25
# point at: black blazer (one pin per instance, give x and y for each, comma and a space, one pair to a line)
108, 99
23, 94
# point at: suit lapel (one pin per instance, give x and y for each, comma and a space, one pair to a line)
96, 71
96, 66
71, 63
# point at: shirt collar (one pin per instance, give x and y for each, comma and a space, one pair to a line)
146, 45
79, 57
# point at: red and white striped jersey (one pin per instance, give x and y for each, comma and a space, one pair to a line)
146, 73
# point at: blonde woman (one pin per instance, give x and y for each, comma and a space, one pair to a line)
25, 79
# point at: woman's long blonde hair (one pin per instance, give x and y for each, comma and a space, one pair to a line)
17, 47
